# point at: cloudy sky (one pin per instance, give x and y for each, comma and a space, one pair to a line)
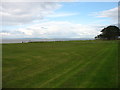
56, 19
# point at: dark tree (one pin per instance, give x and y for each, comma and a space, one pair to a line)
109, 33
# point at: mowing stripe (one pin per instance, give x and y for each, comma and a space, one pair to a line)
74, 69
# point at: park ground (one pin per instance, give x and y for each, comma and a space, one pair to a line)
67, 64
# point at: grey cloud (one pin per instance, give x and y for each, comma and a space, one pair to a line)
14, 13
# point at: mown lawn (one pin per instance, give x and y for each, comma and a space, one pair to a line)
67, 64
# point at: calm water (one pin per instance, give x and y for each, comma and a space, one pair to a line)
34, 40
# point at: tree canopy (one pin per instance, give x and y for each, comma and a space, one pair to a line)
109, 33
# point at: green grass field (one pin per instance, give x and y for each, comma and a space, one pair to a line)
68, 64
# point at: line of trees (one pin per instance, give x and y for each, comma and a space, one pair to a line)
109, 33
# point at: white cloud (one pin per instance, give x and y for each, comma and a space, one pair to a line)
111, 13
55, 29
14, 13
5, 34
60, 0
25, 31
39, 0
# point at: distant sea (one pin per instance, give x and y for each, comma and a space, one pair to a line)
26, 40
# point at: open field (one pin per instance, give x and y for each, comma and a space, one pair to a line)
68, 64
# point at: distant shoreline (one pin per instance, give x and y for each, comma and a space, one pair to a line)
3, 41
